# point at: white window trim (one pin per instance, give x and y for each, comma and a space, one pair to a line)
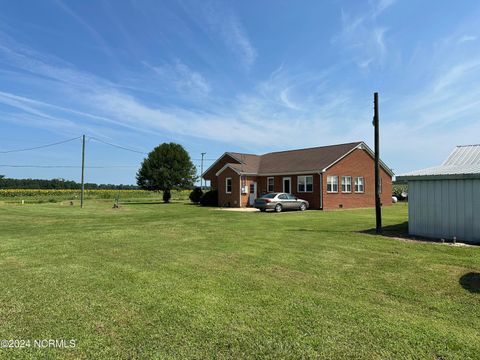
226, 185
332, 191
346, 191
355, 186
273, 178
305, 182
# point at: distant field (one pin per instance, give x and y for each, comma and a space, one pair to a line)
47, 195
176, 281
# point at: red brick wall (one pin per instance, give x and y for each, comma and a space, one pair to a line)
247, 181
210, 175
357, 163
313, 198
225, 199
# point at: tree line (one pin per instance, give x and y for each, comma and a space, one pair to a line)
54, 184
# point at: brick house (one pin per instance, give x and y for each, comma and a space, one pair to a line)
328, 177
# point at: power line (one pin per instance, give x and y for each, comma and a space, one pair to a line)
75, 166
40, 147
118, 146
69, 166
133, 150
91, 138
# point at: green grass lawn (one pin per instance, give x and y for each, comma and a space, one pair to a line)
156, 281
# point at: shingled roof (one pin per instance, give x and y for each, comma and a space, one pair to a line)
311, 159
291, 161
249, 163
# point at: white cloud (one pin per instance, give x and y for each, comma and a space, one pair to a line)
365, 63
467, 38
438, 115
237, 39
222, 21
362, 38
184, 79
379, 36
455, 74
381, 6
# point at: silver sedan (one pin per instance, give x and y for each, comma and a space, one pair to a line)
280, 202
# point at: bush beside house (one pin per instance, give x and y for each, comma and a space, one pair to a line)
196, 195
210, 198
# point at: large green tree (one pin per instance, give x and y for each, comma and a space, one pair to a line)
166, 167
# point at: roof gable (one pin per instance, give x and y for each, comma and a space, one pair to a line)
226, 158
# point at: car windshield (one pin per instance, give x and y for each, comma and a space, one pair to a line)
269, 196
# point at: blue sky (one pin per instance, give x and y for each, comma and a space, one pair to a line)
234, 76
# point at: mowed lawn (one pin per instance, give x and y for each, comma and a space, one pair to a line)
176, 281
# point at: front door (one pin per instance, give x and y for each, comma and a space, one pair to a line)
287, 185
252, 193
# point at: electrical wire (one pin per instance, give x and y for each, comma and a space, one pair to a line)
118, 146
78, 166
90, 138
39, 147
133, 150
69, 166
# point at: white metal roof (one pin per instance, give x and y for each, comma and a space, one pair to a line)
463, 162
464, 155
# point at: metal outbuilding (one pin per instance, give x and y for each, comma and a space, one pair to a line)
444, 201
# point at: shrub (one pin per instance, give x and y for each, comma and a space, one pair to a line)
210, 198
196, 195
167, 195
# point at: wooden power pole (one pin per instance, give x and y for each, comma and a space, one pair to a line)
378, 204
83, 170
201, 172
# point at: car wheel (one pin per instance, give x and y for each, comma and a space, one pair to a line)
303, 207
263, 210
278, 208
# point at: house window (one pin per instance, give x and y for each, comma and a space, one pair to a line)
305, 183
270, 184
332, 184
228, 185
359, 184
346, 184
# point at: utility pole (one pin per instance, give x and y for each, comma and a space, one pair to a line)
83, 170
201, 171
378, 204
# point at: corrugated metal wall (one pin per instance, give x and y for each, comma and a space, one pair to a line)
444, 209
